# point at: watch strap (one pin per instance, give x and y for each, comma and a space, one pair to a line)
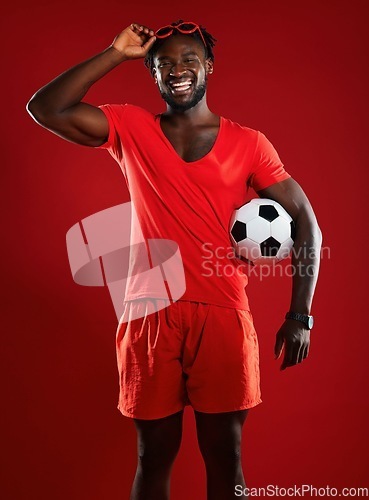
306, 319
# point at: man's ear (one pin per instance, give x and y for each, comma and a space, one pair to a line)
154, 75
209, 66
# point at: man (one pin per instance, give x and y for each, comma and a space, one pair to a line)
187, 169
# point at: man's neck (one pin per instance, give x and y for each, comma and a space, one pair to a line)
194, 116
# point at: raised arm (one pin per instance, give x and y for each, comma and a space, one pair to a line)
293, 335
57, 106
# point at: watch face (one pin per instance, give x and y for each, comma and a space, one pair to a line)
310, 322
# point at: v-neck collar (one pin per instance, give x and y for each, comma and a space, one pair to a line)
171, 147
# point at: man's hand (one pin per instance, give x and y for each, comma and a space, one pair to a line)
134, 42
293, 336
295, 339
58, 105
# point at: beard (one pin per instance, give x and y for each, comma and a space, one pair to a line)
195, 99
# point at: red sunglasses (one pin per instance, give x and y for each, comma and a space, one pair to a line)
185, 28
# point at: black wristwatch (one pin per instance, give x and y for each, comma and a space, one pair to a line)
304, 318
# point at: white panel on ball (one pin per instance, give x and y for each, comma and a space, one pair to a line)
258, 229
280, 229
247, 212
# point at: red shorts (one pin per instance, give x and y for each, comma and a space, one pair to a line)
188, 353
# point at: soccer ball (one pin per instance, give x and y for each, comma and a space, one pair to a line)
262, 232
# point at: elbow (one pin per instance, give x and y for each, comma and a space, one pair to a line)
308, 228
317, 234
38, 110
320, 234
34, 109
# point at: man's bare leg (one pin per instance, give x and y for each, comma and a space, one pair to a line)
219, 437
158, 443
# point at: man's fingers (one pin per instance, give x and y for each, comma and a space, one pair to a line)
278, 346
146, 34
296, 344
140, 29
150, 42
301, 354
137, 27
296, 353
306, 352
288, 353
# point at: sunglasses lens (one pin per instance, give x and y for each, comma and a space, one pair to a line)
187, 26
164, 31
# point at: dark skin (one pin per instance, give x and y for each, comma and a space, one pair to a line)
192, 132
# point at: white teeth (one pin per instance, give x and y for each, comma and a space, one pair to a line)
182, 84
181, 89
177, 87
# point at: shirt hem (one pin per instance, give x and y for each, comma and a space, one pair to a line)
267, 183
234, 305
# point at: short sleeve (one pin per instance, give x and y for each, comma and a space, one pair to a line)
114, 114
267, 168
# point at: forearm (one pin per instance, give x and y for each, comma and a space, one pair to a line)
70, 87
305, 263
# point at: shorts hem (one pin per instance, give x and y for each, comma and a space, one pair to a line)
155, 417
242, 407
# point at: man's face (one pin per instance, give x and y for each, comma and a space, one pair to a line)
180, 71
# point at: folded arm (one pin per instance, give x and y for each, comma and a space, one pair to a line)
58, 105
293, 336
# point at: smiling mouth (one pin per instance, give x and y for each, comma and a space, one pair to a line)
179, 88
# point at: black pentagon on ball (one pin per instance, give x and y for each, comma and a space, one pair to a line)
268, 212
293, 230
239, 231
269, 247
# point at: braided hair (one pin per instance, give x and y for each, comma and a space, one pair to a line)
209, 39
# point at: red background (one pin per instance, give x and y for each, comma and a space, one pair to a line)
298, 71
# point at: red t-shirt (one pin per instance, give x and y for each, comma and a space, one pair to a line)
189, 203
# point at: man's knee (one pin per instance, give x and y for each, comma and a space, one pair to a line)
157, 455
219, 435
221, 452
